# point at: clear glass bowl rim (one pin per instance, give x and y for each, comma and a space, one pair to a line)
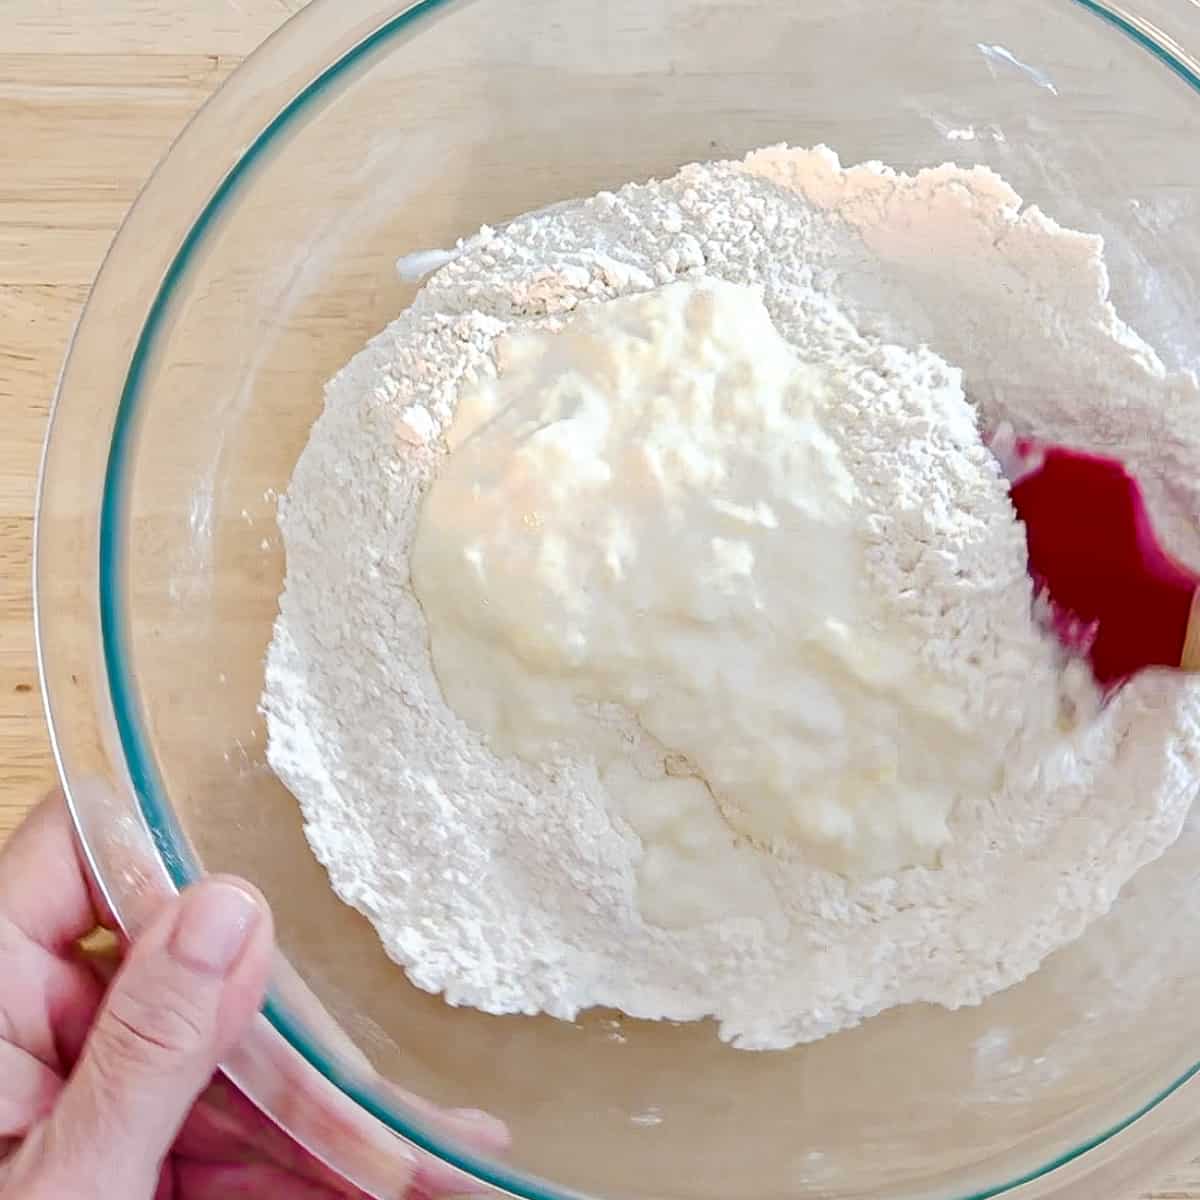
156, 810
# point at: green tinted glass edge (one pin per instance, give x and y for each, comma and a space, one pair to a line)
180, 863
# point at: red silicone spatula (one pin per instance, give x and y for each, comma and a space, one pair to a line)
1115, 594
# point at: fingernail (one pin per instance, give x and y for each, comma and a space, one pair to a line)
474, 1115
485, 1127
213, 926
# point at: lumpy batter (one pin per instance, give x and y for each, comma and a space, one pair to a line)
650, 509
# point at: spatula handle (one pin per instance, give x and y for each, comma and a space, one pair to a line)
1189, 658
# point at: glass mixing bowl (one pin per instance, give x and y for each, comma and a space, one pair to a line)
260, 258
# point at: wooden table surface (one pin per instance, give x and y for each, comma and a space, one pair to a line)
91, 94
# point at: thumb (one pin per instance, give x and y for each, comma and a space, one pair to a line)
188, 989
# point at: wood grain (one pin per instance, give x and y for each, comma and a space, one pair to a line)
91, 94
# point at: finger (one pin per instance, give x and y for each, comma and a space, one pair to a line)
73, 999
48, 1014
44, 883
186, 992
343, 1122
62, 999
476, 1130
28, 1092
227, 1126
479, 1129
257, 1181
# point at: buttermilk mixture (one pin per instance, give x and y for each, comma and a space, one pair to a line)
657, 630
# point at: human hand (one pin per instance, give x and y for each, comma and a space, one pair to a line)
110, 1091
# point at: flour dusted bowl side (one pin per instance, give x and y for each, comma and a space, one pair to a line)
244, 279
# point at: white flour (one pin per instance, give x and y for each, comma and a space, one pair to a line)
512, 887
